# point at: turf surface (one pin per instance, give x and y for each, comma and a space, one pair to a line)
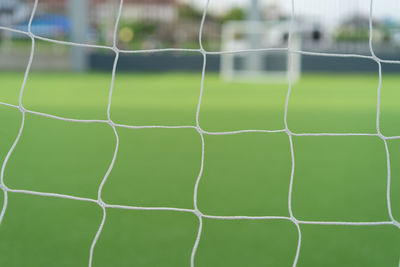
336, 178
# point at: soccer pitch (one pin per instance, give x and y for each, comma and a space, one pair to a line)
336, 178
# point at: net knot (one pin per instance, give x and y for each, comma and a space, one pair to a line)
199, 130
287, 130
198, 213
116, 49
381, 136
110, 122
101, 203
21, 108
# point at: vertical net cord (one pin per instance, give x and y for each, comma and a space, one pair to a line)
199, 130
197, 127
21, 108
378, 115
288, 132
111, 123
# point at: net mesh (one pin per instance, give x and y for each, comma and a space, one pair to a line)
201, 132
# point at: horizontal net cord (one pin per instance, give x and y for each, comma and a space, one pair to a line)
119, 125
201, 132
208, 216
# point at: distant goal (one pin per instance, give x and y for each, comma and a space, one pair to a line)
261, 65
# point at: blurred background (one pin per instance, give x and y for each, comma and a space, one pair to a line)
336, 178
339, 27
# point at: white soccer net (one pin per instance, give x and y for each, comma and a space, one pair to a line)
291, 53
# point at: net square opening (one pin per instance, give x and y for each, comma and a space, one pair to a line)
338, 102
240, 242
394, 152
242, 104
333, 27
65, 94
340, 178
155, 167
386, 33
146, 238
246, 26
75, 166
15, 49
8, 134
389, 95
50, 229
89, 22
156, 94
327, 245
245, 174
146, 25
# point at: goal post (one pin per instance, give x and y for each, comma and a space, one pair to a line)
78, 11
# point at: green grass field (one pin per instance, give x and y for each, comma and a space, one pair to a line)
336, 178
